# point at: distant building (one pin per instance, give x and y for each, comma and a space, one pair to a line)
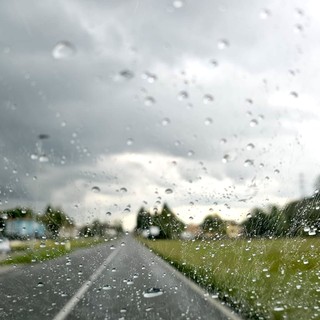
68, 232
24, 228
233, 230
192, 231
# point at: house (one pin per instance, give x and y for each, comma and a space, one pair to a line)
192, 231
22, 228
233, 230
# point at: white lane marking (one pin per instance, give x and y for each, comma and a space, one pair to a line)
68, 307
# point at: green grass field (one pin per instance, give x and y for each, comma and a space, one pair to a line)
36, 250
262, 279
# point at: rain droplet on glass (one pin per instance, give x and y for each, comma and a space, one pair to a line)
223, 44
149, 101
248, 163
265, 14
178, 4
208, 121
129, 142
253, 123
250, 146
95, 189
165, 122
207, 98
152, 292
183, 95
63, 50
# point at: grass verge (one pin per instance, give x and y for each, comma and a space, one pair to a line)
261, 279
36, 251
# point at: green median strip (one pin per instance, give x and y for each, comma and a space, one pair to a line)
37, 251
261, 279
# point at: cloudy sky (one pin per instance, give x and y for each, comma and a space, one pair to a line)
211, 106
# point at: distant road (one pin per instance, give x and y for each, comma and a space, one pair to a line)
118, 280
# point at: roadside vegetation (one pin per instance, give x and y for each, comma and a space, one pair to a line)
260, 278
33, 251
268, 267
36, 237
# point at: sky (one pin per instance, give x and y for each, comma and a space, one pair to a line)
107, 106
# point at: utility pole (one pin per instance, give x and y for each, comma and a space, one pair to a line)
302, 184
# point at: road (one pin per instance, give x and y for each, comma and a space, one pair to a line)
120, 279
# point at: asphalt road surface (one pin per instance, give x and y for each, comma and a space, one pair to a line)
120, 279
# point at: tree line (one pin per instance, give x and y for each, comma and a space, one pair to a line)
171, 227
297, 218
53, 218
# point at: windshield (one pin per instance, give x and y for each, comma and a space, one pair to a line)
159, 160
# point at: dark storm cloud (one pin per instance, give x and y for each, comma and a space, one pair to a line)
98, 119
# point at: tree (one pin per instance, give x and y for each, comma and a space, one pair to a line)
117, 226
257, 224
18, 212
143, 220
170, 226
213, 224
54, 219
97, 228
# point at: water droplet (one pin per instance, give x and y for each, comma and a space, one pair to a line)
207, 98
249, 215
165, 122
123, 244
250, 146
40, 284
63, 50
95, 189
149, 101
226, 158
223, 44
112, 247
253, 123
214, 63
123, 190
190, 153
43, 158
298, 28
178, 4
106, 287
223, 141
34, 156
126, 74
265, 14
108, 213
183, 95
129, 142
152, 292
208, 121
278, 308
168, 191
150, 77
312, 232
276, 171
248, 163
294, 94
